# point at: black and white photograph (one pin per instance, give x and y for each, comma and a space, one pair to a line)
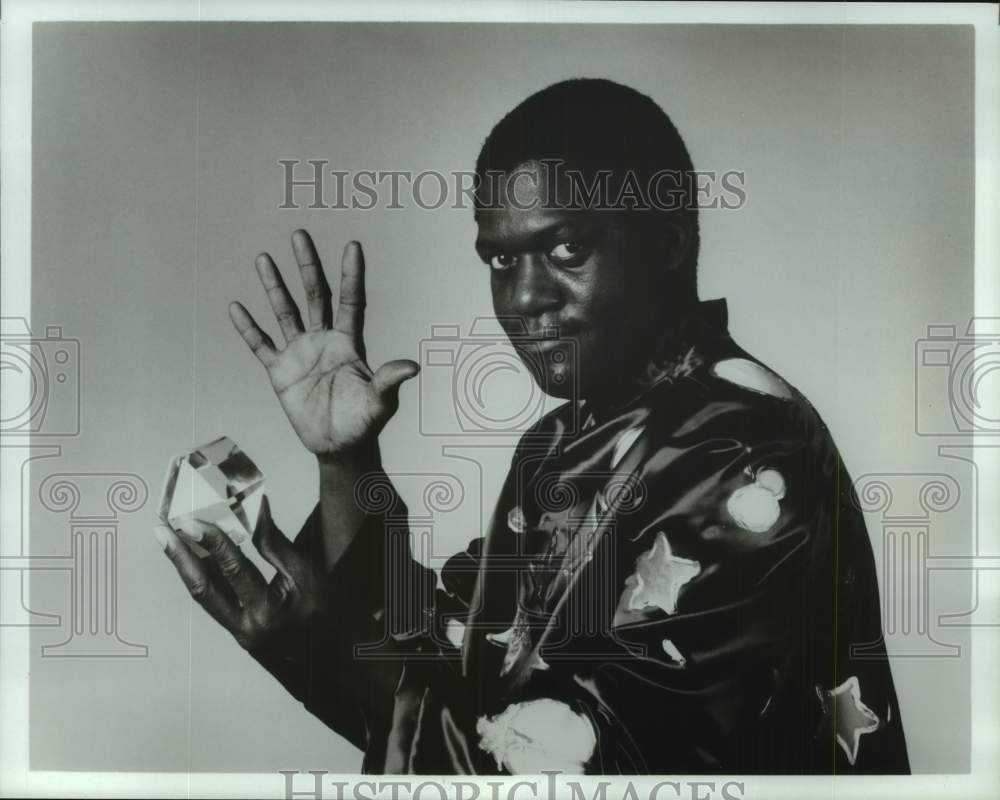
499, 400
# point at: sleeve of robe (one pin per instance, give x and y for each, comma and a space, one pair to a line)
343, 666
387, 632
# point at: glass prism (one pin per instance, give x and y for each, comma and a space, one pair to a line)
215, 483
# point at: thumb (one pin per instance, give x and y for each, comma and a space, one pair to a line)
269, 541
264, 528
387, 380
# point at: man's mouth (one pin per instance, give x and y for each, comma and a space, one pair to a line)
549, 333
543, 344
546, 346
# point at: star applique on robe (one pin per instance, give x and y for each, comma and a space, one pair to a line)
846, 713
659, 576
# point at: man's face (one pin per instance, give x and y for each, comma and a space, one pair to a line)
559, 285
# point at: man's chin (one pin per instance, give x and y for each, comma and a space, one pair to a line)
551, 369
555, 381
559, 390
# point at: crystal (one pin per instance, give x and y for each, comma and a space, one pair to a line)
215, 483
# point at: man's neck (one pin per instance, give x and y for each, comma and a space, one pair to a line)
676, 351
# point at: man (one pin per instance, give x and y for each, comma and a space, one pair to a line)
676, 579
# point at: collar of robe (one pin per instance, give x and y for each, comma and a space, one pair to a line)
681, 348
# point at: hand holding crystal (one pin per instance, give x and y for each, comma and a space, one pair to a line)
333, 399
233, 591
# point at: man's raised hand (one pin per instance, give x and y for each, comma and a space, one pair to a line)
333, 399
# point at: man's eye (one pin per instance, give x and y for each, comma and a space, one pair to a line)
567, 251
501, 261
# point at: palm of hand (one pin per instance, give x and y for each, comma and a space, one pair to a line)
317, 374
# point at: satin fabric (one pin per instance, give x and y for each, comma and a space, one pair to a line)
688, 572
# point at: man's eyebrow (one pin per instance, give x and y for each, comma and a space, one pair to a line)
529, 241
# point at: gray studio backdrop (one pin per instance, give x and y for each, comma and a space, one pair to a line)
156, 180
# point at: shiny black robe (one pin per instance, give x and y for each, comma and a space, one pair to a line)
689, 573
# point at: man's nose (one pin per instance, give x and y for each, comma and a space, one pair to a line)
534, 289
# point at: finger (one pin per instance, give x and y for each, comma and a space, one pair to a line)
219, 581
270, 542
258, 341
319, 311
200, 585
385, 385
239, 573
285, 310
351, 304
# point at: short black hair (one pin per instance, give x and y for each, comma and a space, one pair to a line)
593, 124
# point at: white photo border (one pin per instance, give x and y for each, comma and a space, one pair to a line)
16, 777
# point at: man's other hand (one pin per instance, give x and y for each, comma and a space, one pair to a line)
232, 590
